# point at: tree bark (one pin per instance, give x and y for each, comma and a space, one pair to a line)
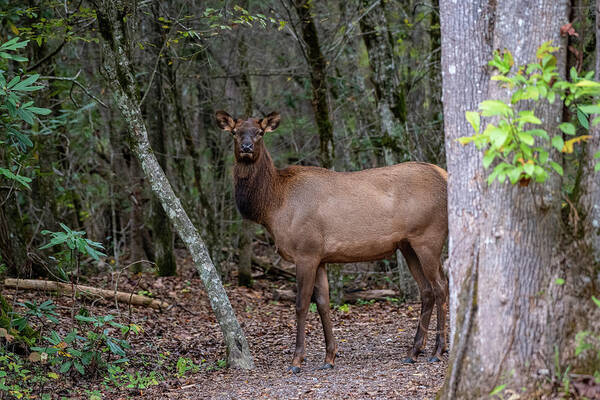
112, 19
318, 79
245, 238
590, 199
508, 315
156, 110
389, 94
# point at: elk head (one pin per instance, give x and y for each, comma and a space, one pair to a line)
248, 134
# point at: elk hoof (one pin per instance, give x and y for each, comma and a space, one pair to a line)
434, 359
408, 360
325, 366
294, 369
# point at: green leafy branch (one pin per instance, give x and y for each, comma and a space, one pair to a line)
515, 142
16, 108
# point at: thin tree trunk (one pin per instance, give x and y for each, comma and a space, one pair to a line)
245, 240
156, 110
507, 250
389, 94
112, 18
318, 79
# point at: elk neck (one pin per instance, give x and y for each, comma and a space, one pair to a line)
256, 187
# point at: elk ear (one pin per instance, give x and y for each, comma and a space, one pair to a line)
225, 121
270, 122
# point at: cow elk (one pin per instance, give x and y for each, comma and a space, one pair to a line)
318, 216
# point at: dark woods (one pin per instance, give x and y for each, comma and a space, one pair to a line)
322, 66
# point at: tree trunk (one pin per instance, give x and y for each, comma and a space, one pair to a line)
245, 240
156, 111
590, 199
506, 252
318, 79
389, 94
112, 19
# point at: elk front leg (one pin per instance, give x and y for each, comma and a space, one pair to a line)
321, 297
305, 283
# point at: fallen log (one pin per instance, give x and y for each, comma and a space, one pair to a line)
67, 288
352, 297
272, 269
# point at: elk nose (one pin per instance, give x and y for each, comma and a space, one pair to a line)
247, 147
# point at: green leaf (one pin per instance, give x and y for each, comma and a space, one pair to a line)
492, 108
497, 135
514, 174
590, 108
557, 167
587, 83
558, 142
529, 169
582, 117
79, 367
488, 158
567, 128
497, 390
526, 138
596, 301
40, 111
24, 84
529, 116
65, 367
559, 281
474, 120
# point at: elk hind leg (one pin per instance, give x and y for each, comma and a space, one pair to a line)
321, 298
427, 301
430, 260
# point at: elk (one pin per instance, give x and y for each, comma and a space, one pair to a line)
318, 216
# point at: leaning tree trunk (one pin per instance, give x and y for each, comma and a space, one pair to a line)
506, 250
318, 80
112, 19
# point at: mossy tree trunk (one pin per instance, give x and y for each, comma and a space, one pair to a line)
318, 80
112, 20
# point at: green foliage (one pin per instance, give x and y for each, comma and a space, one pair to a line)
18, 380
118, 377
92, 351
73, 246
42, 312
185, 365
520, 149
16, 109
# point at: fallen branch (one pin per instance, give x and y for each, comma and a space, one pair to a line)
272, 269
352, 297
67, 288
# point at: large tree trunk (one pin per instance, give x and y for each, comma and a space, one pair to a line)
112, 19
506, 251
318, 79
590, 200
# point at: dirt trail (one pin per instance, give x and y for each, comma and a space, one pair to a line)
372, 339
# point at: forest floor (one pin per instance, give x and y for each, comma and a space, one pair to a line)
372, 339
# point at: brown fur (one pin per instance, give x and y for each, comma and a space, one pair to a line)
318, 216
